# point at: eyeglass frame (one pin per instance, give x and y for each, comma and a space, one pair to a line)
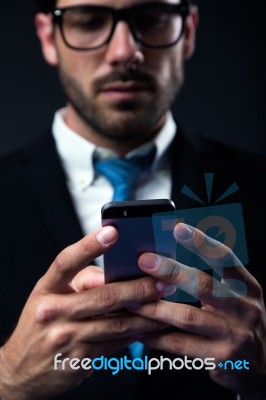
122, 14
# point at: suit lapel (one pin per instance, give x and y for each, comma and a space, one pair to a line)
43, 177
183, 159
190, 160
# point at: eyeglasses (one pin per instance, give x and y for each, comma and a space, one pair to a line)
154, 24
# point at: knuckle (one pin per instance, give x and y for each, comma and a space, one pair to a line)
217, 374
86, 243
170, 270
38, 289
256, 314
156, 310
188, 318
224, 251
205, 285
178, 344
225, 352
243, 338
224, 257
109, 298
203, 243
120, 326
61, 263
79, 350
60, 337
144, 289
211, 249
47, 311
257, 289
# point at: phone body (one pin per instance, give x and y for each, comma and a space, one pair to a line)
143, 226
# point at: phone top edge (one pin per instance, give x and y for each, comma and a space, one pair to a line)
137, 203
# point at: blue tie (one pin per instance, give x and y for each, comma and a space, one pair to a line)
124, 174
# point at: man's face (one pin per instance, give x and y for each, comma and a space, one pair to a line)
122, 90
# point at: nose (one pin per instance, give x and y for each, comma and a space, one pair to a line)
123, 49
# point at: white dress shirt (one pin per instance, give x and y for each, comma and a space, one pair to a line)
89, 192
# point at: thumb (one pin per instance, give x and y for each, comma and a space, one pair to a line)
87, 278
76, 257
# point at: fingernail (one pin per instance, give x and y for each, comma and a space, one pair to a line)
106, 235
150, 261
73, 286
165, 288
183, 232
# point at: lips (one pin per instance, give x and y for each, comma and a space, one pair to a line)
125, 90
125, 86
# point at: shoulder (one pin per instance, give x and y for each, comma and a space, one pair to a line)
214, 151
33, 148
232, 153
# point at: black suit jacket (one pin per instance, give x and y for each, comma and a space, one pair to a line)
38, 220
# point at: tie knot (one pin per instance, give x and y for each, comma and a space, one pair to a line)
124, 173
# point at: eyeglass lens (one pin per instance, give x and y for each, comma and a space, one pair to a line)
87, 28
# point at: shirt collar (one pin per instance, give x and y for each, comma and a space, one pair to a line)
76, 153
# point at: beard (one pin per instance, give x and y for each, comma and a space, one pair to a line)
124, 121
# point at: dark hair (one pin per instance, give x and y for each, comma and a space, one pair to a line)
47, 5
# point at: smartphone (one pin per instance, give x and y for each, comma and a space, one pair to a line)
143, 226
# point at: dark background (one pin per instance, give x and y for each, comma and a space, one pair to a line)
225, 80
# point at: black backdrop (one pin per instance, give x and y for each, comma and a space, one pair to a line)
225, 80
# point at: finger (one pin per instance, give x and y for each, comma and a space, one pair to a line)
98, 301
215, 254
75, 257
185, 317
115, 326
85, 349
102, 329
87, 278
116, 296
182, 344
107, 347
195, 282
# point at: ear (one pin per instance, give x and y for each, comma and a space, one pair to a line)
191, 25
45, 33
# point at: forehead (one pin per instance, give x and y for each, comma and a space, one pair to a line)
111, 3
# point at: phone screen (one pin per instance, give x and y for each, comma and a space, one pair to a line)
141, 229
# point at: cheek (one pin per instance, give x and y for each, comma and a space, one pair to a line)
80, 66
166, 66
165, 72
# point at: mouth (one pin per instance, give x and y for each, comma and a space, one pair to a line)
125, 90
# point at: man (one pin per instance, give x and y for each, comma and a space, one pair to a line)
121, 64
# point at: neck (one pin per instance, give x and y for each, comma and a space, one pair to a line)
121, 147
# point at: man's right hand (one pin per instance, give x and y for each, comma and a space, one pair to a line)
77, 322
